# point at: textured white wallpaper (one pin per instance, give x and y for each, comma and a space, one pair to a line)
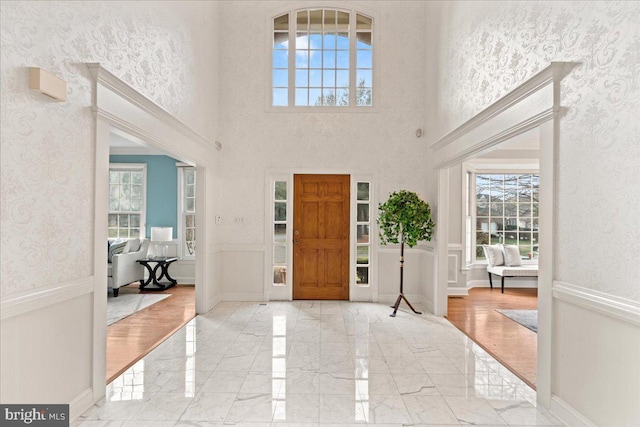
382, 142
488, 48
47, 148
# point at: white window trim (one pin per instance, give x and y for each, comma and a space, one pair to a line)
291, 108
143, 211
475, 170
181, 220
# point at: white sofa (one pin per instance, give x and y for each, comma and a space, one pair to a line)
504, 261
123, 268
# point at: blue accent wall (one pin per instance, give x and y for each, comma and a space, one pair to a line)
162, 190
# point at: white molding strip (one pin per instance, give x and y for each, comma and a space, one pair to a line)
396, 248
565, 413
520, 93
46, 296
80, 404
457, 292
109, 80
509, 282
455, 247
613, 306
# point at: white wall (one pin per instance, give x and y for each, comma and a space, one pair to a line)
488, 48
47, 175
381, 142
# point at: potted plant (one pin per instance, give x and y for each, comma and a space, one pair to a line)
404, 218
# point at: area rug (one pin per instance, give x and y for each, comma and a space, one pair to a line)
125, 305
527, 318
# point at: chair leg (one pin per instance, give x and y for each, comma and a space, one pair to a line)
115, 292
490, 281
503, 284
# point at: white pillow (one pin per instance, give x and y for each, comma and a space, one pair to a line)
512, 256
493, 254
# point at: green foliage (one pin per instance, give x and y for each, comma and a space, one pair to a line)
405, 217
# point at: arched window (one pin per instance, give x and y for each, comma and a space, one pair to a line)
322, 57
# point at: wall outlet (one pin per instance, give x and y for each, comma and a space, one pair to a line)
218, 219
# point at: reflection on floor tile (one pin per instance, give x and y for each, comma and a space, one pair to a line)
308, 363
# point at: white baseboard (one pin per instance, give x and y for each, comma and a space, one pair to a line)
569, 416
509, 282
80, 404
240, 296
457, 292
214, 301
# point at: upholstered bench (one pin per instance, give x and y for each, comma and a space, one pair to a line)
515, 271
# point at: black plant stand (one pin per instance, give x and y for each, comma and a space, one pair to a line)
401, 296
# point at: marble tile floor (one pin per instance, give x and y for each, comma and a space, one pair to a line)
308, 363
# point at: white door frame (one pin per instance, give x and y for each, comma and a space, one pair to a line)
271, 292
117, 104
533, 104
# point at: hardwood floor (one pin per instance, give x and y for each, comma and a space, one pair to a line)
133, 337
509, 342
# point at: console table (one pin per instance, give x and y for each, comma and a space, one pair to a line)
161, 264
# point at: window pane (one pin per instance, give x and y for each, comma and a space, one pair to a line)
114, 190
363, 22
525, 209
281, 41
302, 78
279, 254
497, 209
482, 209
280, 97
190, 234
191, 205
363, 191
191, 190
281, 190
343, 41
363, 40
301, 96
328, 97
342, 97
364, 59
135, 232
125, 177
342, 62
113, 220
363, 78
482, 224
136, 178
363, 255
329, 20
363, 212
123, 233
279, 233
190, 221
123, 220
279, 275
315, 59
315, 41
191, 176
136, 191
315, 20
315, 78
302, 58
362, 274
302, 19
114, 177
364, 96
280, 59
482, 238
280, 78
134, 221
114, 204
329, 41
329, 59
125, 205
363, 234
281, 22
315, 97
280, 211
343, 21
113, 232
329, 79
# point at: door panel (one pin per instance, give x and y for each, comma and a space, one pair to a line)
321, 237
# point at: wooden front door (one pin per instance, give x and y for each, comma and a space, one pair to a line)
321, 237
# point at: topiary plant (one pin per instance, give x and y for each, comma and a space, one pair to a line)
404, 218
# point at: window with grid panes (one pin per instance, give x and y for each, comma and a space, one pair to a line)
322, 57
189, 211
363, 227
507, 212
280, 233
126, 201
